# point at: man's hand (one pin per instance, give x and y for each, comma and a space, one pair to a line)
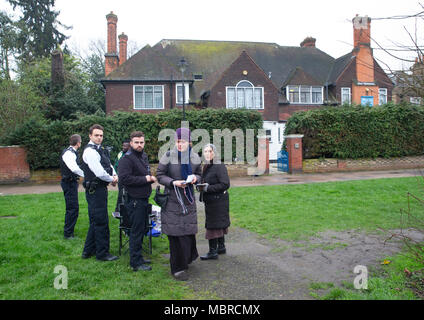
115, 180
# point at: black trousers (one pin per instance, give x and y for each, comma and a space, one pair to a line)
139, 219
70, 191
97, 240
183, 251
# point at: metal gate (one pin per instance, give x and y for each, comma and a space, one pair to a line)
283, 161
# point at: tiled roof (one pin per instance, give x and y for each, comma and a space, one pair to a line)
339, 66
212, 58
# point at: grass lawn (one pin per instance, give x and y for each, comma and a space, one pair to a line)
297, 212
32, 244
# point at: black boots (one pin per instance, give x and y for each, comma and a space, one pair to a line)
221, 245
216, 246
213, 250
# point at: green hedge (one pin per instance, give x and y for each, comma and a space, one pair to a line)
44, 140
360, 132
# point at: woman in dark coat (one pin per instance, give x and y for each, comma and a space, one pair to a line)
179, 216
214, 185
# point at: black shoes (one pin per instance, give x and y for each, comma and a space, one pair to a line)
69, 237
213, 251
86, 255
180, 276
222, 250
109, 257
142, 267
210, 256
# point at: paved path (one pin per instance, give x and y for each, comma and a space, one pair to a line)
275, 178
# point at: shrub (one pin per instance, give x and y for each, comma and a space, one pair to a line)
360, 132
44, 140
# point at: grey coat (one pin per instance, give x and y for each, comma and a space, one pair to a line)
173, 222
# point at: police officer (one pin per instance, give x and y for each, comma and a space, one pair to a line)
135, 176
98, 172
70, 171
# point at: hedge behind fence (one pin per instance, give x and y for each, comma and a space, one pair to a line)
360, 132
45, 140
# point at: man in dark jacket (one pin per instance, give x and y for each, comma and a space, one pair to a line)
135, 176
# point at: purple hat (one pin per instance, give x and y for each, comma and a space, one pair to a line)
183, 134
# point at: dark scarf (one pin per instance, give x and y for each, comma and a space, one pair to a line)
186, 170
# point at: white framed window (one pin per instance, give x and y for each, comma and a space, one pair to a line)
346, 96
148, 97
245, 95
382, 96
305, 94
179, 93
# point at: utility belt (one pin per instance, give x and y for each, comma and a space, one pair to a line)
92, 185
70, 178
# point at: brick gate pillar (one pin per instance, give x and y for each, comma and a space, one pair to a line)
13, 165
294, 148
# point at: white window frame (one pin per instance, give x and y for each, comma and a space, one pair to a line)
144, 108
262, 107
186, 93
342, 94
301, 89
381, 95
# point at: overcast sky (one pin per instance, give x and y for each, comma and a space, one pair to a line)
286, 23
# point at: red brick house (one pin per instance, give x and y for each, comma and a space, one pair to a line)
272, 79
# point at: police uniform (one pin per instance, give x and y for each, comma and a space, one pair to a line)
70, 171
98, 173
133, 169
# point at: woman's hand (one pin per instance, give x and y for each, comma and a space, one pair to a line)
180, 183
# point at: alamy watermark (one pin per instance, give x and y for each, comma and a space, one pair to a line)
61, 281
361, 281
244, 145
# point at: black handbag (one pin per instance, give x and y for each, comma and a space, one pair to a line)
161, 199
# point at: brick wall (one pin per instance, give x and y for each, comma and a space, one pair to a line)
334, 165
13, 165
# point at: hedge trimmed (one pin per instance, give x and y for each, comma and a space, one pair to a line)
44, 140
360, 132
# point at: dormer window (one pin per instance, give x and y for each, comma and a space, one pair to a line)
245, 95
305, 94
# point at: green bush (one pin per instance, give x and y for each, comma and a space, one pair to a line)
360, 132
44, 140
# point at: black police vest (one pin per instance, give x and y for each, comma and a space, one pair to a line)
104, 161
66, 173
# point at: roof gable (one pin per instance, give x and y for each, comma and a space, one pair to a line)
212, 58
299, 77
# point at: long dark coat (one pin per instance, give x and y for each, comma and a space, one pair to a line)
173, 222
216, 198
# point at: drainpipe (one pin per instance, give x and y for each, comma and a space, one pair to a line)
172, 91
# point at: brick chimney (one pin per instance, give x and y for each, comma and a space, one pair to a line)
308, 42
111, 56
362, 49
123, 39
